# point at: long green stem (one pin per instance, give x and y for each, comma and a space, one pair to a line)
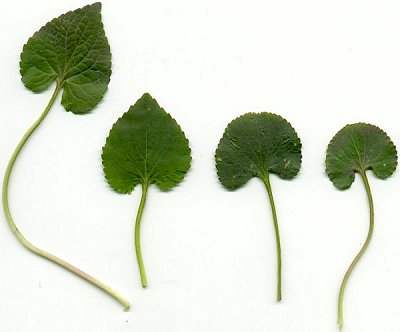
139, 257
277, 237
18, 234
361, 252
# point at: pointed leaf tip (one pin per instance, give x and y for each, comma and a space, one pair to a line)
73, 50
145, 145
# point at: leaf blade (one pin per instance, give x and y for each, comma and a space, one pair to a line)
73, 50
145, 145
255, 144
359, 147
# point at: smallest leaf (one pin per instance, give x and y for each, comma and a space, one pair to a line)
357, 148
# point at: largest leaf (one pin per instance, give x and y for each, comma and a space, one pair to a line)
256, 145
145, 146
72, 51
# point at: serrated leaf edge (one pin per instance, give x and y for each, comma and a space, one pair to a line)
56, 78
248, 114
356, 171
171, 118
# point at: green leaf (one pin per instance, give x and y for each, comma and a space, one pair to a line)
145, 146
255, 145
356, 148
72, 50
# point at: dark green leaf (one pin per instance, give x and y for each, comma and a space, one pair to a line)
146, 146
72, 50
254, 145
357, 148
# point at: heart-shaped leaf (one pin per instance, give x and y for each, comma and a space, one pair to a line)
73, 50
146, 146
255, 145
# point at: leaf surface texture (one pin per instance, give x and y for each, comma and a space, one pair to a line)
256, 144
73, 50
356, 148
147, 146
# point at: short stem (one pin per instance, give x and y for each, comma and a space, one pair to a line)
361, 252
277, 236
19, 235
139, 257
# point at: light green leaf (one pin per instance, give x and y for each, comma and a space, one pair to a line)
145, 146
255, 145
357, 148
72, 50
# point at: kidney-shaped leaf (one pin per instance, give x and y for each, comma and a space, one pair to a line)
356, 148
255, 145
72, 50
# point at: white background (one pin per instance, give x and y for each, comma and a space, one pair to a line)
210, 254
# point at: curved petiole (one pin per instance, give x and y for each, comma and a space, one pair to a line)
139, 257
361, 252
19, 235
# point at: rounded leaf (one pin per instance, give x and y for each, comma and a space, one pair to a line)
73, 50
254, 145
145, 145
356, 148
